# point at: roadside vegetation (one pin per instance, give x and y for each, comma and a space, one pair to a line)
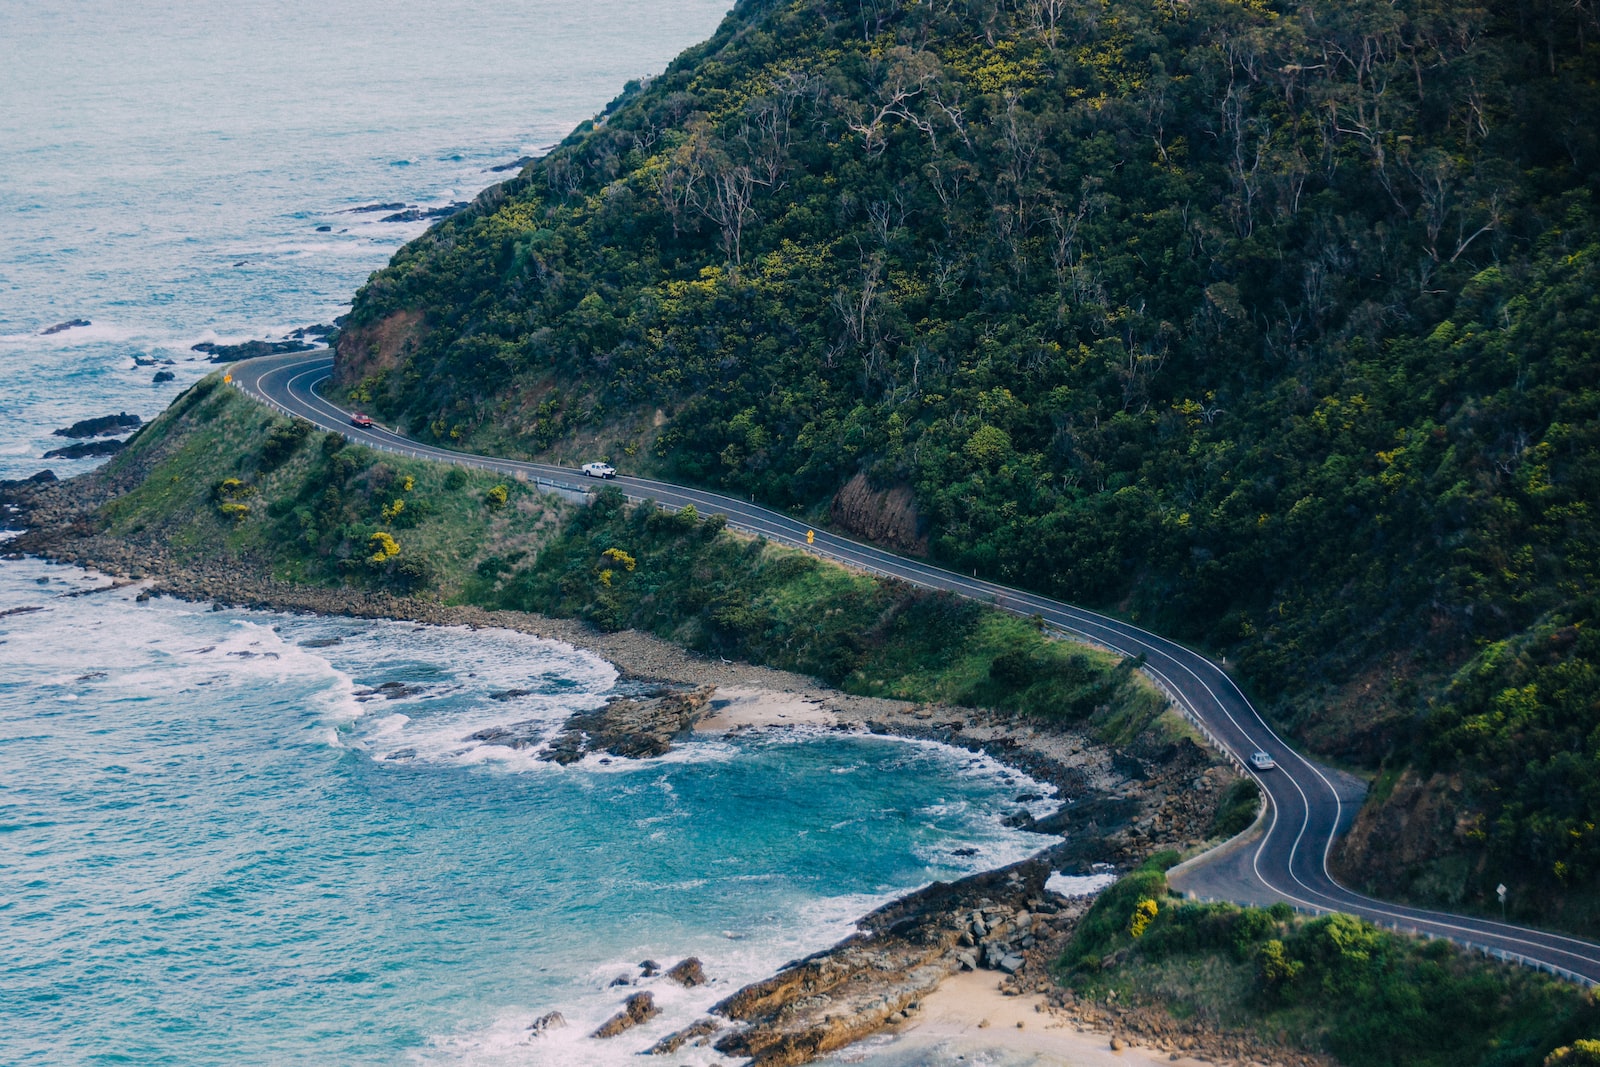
1333, 984
219, 479
683, 577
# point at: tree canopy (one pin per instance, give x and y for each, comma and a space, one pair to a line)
1273, 325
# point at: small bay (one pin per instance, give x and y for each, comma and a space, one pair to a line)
224, 842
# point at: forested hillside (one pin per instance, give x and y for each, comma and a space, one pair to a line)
1270, 325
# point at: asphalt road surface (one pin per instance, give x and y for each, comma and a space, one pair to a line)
1310, 804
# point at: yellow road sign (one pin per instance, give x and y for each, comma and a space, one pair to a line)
811, 537
226, 378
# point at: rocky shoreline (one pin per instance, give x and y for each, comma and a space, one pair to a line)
1121, 805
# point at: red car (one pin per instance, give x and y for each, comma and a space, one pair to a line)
361, 420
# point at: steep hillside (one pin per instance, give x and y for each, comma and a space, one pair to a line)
1270, 325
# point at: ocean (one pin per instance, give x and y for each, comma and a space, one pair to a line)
166, 170
220, 841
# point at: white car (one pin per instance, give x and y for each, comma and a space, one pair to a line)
599, 470
1262, 762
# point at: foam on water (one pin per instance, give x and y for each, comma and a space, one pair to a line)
208, 858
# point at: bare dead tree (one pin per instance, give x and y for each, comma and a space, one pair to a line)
905, 75
729, 206
564, 175
858, 311
1043, 15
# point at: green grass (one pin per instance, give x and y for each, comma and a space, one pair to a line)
1333, 984
293, 528
697, 584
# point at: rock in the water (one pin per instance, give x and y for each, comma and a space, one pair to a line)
641, 1007
163, 376
515, 164
320, 331
87, 448
248, 350
62, 327
650, 968
674, 1041
43, 477
549, 1021
689, 973
104, 426
517, 736
635, 729
621, 979
369, 208
420, 214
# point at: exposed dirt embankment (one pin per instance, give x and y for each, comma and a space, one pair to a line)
371, 349
1408, 831
885, 516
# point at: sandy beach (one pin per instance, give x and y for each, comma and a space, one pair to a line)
735, 708
967, 1020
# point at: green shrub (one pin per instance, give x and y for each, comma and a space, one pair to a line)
1581, 1053
283, 439
1237, 809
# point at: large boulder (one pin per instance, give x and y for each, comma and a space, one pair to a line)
639, 1008
103, 426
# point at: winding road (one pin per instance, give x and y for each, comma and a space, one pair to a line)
1309, 804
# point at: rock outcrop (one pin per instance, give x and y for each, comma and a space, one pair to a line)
85, 449
103, 426
698, 1032
423, 214
877, 977
368, 349
248, 349
639, 1008
631, 728
884, 516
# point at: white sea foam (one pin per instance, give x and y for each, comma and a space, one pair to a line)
1080, 885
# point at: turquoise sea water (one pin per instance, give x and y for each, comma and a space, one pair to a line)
209, 854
